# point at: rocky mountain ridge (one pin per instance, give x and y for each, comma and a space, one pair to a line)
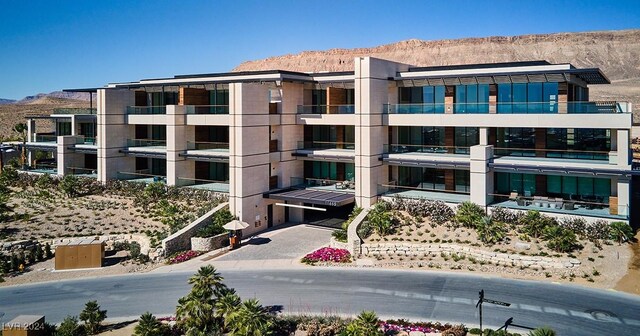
40, 97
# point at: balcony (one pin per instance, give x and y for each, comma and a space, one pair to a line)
326, 109
75, 111
141, 176
577, 206
319, 145
147, 143
424, 149
606, 107
208, 146
85, 172
449, 196
346, 186
47, 138
327, 150
204, 184
551, 153
207, 109
142, 110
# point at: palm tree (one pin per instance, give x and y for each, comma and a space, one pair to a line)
621, 232
208, 282
92, 316
148, 325
226, 305
489, 231
366, 324
194, 313
250, 319
542, 331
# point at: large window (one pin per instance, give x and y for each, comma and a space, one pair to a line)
516, 141
585, 189
63, 128
466, 137
330, 170
425, 138
422, 178
589, 143
523, 184
219, 97
527, 98
463, 181
472, 99
422, 99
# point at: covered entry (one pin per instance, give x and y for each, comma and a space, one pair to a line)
320, 207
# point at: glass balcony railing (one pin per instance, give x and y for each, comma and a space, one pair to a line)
312, 145
89, 172
511, 108
326, 109
430, 149
207, 109
142, 176
79, 110
203, 145
88, 141
204, 184
596, 206
323, 184
437, 192
146, 110
46, 138
552, 153
146, 143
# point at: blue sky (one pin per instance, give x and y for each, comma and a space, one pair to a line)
52, 45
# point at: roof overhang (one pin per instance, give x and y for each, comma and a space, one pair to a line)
207, 158
313, 196
442, 164
144, 154
533, 169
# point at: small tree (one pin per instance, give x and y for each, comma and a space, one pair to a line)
560, 239
367, 323
70, 327
148, 325
620, 232
39, 253
381, 220
250, 319
70, 185
47, 251
92, 316
490, 231
534, 224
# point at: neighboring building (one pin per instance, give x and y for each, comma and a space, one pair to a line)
521, 135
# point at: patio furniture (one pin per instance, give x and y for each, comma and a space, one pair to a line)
537, 201
513, 196
569, 206
521, 201
559, 203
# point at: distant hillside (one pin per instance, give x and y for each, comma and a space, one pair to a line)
617, 53
55, 94
6, 101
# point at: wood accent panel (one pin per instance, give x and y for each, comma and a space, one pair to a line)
340, 136
541, 141
141, 98
273, 108
449, 138
336, 96
493, 136
273, 145
340, 171
273, 182
75, 255
613, 205
449, 180
541, 185
192, 96
563, 97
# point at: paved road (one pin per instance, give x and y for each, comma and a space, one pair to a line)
410, 294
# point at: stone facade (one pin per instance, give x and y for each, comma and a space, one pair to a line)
507, 259
210, 243
181, 240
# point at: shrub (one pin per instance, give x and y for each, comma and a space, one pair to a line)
533, 223
542, 331
219, 219
437, 211
490, 231
367, 323
340, 235
576, 224
381, 219
327, 254
621, 232
148, 325
469, 214
70, 185
560, 239
597, 230
70, 327
506, 216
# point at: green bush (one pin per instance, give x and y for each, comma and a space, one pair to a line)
621, 232
341, 234
534, 224
381, 219
469, 214
70, 327
560, 239
219, 219
92, 316
490, 231
70, 185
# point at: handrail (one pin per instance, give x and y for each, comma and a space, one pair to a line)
207, 109
75, 110
393, 186
579, 107
145, 142
146, 110
325, 144
204, 145
389, 148
327, 109
552, 153
549, 199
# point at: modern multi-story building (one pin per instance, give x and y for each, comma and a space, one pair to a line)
289, 146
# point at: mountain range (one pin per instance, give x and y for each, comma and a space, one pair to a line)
42, 97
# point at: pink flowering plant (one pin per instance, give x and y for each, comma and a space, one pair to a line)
183, 256
327, 254
406, 326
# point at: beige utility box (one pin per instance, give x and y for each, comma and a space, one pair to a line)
82, 253
24, 325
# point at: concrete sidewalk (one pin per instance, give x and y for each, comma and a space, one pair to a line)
280, 248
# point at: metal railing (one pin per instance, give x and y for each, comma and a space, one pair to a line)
146, 143
46, 138
75, 110
144, 175
83, 171
326, 109
309, 145
88, 141
204, 145
431, 149
222, 186
511, 108
146, 110
552, 153
311, 182
429, 193
207, 109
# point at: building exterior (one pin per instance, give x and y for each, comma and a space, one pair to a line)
289, 146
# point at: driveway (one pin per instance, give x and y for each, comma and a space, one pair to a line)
279, 248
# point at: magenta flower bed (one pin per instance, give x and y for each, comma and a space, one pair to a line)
327, 254
404, 325
184, 256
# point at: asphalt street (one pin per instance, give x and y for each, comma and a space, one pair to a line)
416, 295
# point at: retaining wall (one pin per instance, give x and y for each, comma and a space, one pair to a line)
181, 240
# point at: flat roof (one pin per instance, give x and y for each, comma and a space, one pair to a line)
480, 65
314, 196
23, 321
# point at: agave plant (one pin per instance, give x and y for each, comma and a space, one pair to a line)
542, 331
148, 325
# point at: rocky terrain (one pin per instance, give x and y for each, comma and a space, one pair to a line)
617, 53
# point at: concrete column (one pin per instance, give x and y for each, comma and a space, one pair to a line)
624, 195
177, 137
67, 158
623, 147
31, 130
249, 153
290, 134
74, 125
113, 132
484, 136
481, 177
371, 92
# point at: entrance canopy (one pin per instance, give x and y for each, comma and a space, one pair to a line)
313, 196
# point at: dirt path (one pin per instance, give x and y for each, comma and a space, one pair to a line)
630, 283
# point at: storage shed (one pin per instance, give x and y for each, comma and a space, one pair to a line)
82, 253
24, 325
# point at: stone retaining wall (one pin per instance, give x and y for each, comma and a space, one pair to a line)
354, 242
181, 240
210, 243
507, 259
333, 243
